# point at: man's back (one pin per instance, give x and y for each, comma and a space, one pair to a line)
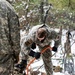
9, 37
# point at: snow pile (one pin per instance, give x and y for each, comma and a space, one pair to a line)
58, 73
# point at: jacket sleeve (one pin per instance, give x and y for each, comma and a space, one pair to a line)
26, 43
14, 29
53, 35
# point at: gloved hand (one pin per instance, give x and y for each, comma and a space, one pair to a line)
31, 53
54, 49
33, 46
34, 54
37, 55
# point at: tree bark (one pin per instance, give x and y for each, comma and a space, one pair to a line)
67, 44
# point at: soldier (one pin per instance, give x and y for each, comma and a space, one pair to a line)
9, 37
40, 35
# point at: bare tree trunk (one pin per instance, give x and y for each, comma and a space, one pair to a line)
41, 12
67, 44
68, 59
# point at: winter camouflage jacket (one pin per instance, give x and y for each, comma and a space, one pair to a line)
28, 39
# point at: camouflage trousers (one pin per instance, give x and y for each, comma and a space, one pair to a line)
46, 56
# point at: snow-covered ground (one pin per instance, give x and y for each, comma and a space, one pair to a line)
59, 55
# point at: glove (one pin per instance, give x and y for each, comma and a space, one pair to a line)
37, 55
54, 49
33, 46
31, 53
34, 54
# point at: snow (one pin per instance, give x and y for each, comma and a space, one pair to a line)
58, 55
58, 73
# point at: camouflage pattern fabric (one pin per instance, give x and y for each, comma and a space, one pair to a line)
31, 37
9, 37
